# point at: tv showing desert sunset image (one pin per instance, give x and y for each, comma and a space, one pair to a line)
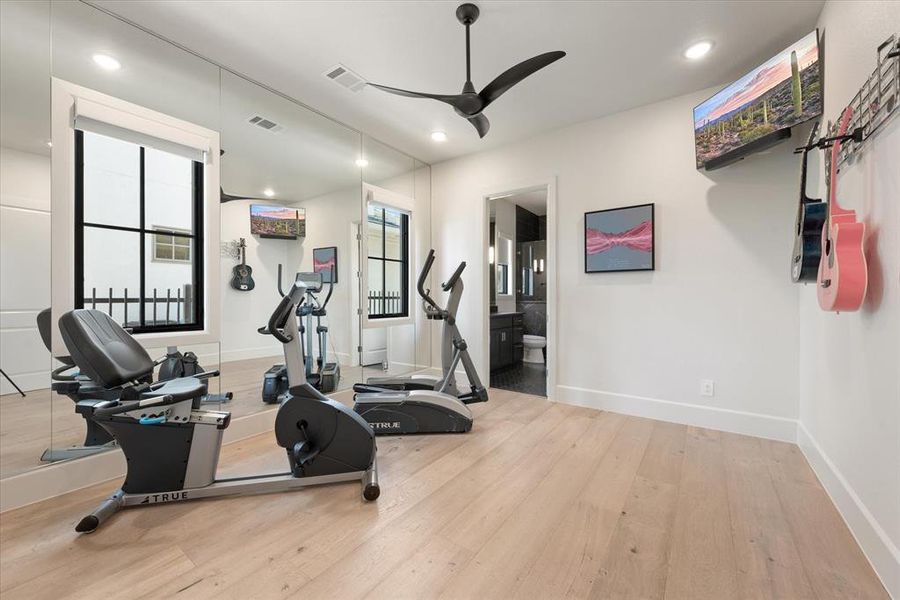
780, 93
275, 221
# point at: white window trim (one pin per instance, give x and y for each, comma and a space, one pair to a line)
379, 196
103, 108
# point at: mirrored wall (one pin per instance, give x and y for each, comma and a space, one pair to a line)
292, 202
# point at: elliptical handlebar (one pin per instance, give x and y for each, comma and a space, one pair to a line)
328, 296
280, 291
452, 281
426, 294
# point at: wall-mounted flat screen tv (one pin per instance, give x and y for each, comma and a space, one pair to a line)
277, 221
759, 109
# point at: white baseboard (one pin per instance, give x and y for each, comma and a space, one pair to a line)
248, 353
883, 555
733, 421
67, 476
264, 352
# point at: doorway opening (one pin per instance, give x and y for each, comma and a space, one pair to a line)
521, 289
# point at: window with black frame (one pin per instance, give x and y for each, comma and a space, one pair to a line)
138, 234
388, 258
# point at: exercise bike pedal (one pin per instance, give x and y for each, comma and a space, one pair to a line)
304, 454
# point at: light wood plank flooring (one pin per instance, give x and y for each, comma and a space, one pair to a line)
540, 500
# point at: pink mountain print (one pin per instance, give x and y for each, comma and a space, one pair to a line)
638, 238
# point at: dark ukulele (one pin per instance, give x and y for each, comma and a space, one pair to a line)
242, 274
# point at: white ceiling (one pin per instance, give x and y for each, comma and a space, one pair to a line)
310, 156
620, 55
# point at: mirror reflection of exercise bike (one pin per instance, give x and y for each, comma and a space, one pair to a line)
68, 380
324, 376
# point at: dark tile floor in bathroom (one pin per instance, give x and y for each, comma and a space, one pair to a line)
526, 378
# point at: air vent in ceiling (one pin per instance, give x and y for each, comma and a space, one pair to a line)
264, 123
346, 78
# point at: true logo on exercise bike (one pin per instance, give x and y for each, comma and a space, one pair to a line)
167, 497
385, 425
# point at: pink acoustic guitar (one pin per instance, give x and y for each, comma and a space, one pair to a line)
843, 276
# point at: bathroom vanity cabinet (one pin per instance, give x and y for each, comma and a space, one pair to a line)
506, 339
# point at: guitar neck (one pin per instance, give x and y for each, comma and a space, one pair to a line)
833, 207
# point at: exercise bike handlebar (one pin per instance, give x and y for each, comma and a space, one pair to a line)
123, 407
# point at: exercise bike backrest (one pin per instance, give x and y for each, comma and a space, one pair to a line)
102, 349
45, 327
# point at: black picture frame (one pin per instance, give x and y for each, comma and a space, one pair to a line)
652, 210
318, 257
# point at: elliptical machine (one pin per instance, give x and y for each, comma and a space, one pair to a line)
407, 409
453, 347
326, 375
172, 445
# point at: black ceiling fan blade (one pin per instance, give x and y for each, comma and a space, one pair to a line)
481, 123
454, 100
514, 75
224, 197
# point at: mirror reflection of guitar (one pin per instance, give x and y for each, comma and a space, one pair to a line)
811, 215
242, 274
843, 276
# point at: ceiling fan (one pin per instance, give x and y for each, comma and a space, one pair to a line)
469, 104
223, 197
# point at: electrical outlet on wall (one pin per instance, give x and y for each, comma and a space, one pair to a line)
707, 387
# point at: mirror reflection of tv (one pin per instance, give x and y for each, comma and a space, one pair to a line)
759, 109
277, 221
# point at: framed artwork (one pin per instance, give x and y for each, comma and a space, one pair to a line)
619, 239
325, 262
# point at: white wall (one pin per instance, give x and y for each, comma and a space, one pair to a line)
244, 312
849, 385
328, 222
25, 265
719, 306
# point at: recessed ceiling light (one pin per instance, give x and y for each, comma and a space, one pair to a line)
698, 50
438, 136
361, 162
104, 61
269, 192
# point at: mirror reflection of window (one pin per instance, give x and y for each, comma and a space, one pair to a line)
505, 272
503, 279
135, 238
388, 257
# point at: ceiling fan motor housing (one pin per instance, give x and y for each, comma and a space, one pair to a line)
467, 13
